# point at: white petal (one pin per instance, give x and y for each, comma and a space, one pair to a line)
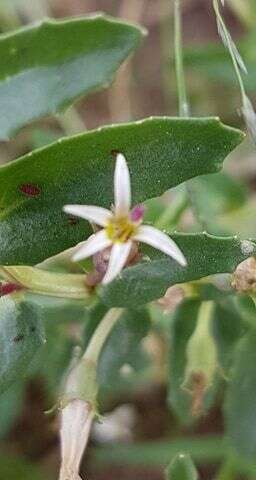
95, 243
122, 186
76, 421
161, 241
118, 258
98, 215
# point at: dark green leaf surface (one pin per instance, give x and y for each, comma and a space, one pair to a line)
21, 336
161, 153
206, 255
46, 66
240, 408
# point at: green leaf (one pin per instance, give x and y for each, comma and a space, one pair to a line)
46, 66
59, 316
206, 255
240, 405
181, 468
21, 336
161, 153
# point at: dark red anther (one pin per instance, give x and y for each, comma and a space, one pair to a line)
7, 288
30, 190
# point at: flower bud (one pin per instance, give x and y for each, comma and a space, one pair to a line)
76, 421
78, 405
201, 359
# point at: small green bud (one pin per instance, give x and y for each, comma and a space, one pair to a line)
181, 468
202, 358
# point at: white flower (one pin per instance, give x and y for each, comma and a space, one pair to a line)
76, 421
121, 227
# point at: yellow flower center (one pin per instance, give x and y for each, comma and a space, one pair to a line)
119, 230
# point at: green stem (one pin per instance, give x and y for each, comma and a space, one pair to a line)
184, 110
182, 94
101, 333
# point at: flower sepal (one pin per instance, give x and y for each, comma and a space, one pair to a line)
81, 384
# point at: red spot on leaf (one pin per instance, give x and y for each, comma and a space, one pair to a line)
18, 338
72, 220
114, 152
30, 190
7, 288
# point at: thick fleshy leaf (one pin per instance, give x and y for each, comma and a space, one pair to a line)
240, 406
205, 254
21, 336
161, 153
46, 66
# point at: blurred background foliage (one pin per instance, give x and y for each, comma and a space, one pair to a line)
149, 418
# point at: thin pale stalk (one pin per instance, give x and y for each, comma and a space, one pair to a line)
181, 84
101, 333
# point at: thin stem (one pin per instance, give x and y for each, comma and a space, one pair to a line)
101, 333
182, 94
184, 110
230, 48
